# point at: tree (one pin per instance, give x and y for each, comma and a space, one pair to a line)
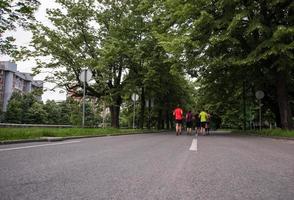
53, 111
13, 14
84, 36
76, 115
28, 100
36, 114
14, 109
151, 72
112, 38
228, 43
65, 111
19, 108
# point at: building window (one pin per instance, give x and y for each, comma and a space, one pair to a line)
18, 84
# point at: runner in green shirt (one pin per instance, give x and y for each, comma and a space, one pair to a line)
203, 119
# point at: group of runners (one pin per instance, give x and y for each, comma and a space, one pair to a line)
198, 121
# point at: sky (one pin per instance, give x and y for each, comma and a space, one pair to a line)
23, 38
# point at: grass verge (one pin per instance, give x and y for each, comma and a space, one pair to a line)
36, 133
276, 133
270, 133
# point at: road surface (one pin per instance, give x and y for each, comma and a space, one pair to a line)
149, 166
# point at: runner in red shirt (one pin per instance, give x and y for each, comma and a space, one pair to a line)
178, 114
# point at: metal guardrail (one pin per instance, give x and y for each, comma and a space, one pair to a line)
11, 125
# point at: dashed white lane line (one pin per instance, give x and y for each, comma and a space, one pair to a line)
40, 145
193, 146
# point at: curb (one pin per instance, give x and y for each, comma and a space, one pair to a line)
58, 139
22, 141
53, 139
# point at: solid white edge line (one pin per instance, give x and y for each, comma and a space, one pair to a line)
40, 145
193, 146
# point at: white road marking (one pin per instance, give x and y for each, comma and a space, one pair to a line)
40, 145
193, 146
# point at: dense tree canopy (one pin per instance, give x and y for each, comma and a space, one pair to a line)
231, 48
115, 40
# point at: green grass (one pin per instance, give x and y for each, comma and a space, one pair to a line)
226, 129
36, 133
269, 133
276, 133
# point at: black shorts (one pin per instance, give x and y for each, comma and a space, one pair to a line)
203, 124
179, 121
189, 124
198, 124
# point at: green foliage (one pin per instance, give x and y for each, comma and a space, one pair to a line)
27, 102
116, 40
76, 114
65, 110
14, 13
90, 115
18, 108
53, 112
231, 48
276, 133
36, 114
14, 112
227, 43
24, 108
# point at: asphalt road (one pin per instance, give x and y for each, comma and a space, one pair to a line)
149, 166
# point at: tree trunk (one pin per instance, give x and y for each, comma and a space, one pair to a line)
149, 114
244, 105
114, 112
283, 101
142, 110
167, 119
159, 119
278, 117
275, 109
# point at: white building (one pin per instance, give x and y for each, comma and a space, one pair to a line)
12, 80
